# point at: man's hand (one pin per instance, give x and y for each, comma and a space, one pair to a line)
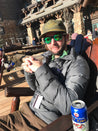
31, 64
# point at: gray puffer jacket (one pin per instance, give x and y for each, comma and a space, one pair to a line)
57, 83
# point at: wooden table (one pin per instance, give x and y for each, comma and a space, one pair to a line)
64, 123
32, 47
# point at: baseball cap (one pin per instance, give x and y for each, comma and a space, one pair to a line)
53, 26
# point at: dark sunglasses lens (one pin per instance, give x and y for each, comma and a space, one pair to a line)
47, 40
57, 37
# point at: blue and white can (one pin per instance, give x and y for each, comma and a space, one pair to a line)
79, 116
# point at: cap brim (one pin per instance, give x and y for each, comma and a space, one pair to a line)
43, 35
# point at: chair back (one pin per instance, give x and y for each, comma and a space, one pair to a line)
91, 88
81, 45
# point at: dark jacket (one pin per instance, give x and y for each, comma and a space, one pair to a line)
58, 82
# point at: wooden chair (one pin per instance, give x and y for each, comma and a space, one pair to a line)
9, 84
57, 125
1, 71
16, 93
94, 54
1, 74
63, 123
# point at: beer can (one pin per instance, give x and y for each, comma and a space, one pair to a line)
79, 116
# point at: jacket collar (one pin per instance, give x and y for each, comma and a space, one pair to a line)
66, 55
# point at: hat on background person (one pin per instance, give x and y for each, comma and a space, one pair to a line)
53, 26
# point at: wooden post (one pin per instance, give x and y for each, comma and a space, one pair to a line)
30, 33
1, 70
15, 104
78, 19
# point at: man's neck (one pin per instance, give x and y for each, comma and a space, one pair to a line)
57, 56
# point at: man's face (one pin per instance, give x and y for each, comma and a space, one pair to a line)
57, 42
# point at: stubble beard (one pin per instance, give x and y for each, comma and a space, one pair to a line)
60, 52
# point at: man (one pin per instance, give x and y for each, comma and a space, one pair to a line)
59, 80
34, 41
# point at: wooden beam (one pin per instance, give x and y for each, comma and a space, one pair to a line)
85, 3
18, 91
89, 2
53, 1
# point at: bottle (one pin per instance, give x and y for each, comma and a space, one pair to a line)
79, 116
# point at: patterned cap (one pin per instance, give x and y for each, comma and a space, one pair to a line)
53, 26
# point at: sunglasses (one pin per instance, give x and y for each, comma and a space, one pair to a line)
56, 37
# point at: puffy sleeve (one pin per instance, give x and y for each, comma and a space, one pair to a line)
30, 78
61, 96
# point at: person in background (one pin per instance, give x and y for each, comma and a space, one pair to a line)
34, 41
57, 81
95, 33
88, 35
